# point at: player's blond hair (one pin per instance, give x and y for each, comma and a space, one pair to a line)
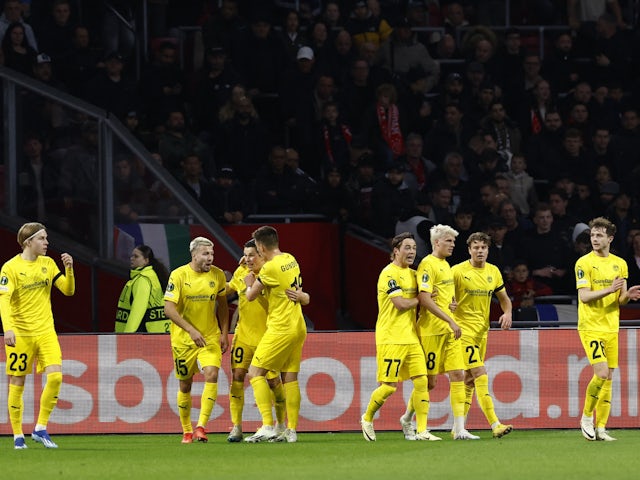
199, 242
27, 231
438, 232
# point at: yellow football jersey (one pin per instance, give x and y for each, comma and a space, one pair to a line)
277, 275
596, 273
195, 295
395, 327
252, 316
434, 274
474, 288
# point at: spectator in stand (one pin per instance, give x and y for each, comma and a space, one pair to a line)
382, 129
582, 93
546, 253
581, 204
12, 11
259, 56
463, 223
360, 185
480, 106
573, 156
390, 200
603, 109
625, 217
602, 153
581, 238
334, 141
509, 56
506, 131
414, 102
501, 254
579, 118
341, 57
356, 94
453, 91
212, 88
230, 200
320, 43
533, 114
291, 36
224, 26
603, 174
488, 165
561, 65
275, 186
38, 196
582, 16
162, 84
543, 149
243, 140
129, 192
177, 141
454, 17
81, 64
522, 83
517, 224
523, 288
369, 52
563, 221
331, 15
417, 169
453, 174
193, 180
402, 52
18, 55
452, 133
522, 188
305, 185
440, 197
365, 27
56, 32
111, 89
626, 143
334, 199
633, 260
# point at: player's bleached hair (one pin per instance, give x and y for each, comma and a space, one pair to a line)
479, 237
199, 242
28, 231
437, 232
602, 222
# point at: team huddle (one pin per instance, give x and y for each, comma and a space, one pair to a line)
431, 321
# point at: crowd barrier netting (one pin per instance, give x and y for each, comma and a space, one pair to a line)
125, 384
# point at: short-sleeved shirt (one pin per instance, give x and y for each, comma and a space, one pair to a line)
25, 288
277, 275
474, 288
195, 295
252, 316
394, 326
435, 274
595, 272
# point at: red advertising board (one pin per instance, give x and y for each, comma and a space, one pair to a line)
124, 384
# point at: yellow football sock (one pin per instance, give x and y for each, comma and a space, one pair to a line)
236, 401
279, 401
603, 407
262, 395
485, 400
378, 397
207, 401
457, 397
184, 411
16, 406
468, 398
420, 397
292, 402
592, 395
49, 397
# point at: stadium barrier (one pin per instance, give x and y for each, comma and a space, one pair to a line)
125, 384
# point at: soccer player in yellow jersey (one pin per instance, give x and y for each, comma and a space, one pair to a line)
252, 323
280, 348
398, 351
439, 333
29, 332
476, 281
601, 280
195, 296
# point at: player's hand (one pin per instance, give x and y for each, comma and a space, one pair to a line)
457, 331
67, 260
434, 294
634, 292
224, 342
249, 279
10, 338
243, 260
505, 321
293, 294
453, 305
197, 338
617, 284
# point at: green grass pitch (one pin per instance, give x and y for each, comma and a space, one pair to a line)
531, 454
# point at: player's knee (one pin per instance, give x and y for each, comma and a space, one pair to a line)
420, 384
54, 379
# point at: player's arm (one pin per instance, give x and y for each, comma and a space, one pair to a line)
141, 291
587, 295
171, 312
505, 304
254, 287
222, 312
66, 283
7, 318
427, 302
403, 304
298, 295
632, 293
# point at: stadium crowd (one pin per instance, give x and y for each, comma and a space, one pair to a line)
391, 115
